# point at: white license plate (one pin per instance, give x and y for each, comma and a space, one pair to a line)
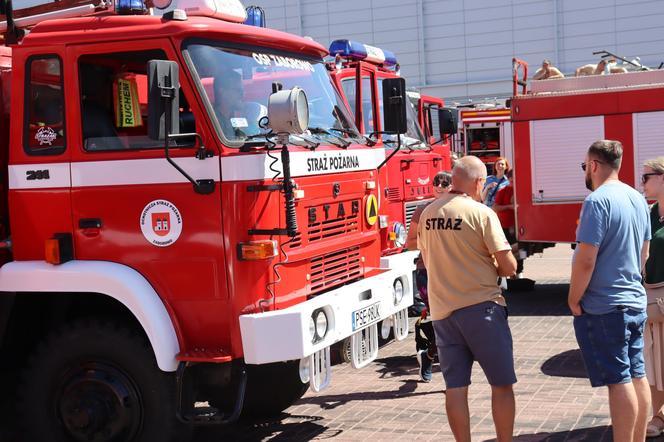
365, 316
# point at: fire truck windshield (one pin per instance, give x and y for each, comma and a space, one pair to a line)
238, 82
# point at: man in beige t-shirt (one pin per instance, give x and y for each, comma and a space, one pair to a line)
465, 250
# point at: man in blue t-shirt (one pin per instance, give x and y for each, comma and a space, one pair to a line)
606, 296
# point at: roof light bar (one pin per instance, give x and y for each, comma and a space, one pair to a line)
358, 51
130, 7
255, 16
227, 10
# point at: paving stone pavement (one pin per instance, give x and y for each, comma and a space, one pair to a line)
386, 401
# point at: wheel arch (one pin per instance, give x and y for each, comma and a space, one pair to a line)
117, 281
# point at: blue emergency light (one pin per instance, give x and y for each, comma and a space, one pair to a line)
255, 16
358, 51
130, 7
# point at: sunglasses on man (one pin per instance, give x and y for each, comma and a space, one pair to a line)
646, 176
584, 165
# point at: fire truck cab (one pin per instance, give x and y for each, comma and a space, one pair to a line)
359, 72
188, 215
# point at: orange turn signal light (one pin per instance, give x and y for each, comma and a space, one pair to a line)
52, 251
256, 250
392, 236
59, 249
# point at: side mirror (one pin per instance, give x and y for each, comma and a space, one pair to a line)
163, 99
447, 121
394, 105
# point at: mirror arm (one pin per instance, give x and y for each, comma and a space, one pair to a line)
203, 187
392, 154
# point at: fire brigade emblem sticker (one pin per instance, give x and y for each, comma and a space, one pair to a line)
161, 223
45, 135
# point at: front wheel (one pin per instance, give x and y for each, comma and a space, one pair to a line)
94, 381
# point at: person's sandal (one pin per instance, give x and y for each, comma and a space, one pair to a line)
653, 429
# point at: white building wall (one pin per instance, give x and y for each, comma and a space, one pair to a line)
464, 48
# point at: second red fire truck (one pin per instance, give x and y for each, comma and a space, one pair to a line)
359, 72
555, 122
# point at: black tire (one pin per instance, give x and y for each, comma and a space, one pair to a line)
271, 388
99, 382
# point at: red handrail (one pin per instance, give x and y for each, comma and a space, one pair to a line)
516, 64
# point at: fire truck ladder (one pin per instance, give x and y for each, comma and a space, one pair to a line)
18, 22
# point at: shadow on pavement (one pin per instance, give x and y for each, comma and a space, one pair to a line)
332, 401
594, 434
545, 300
568, 364
298, 428
394, 366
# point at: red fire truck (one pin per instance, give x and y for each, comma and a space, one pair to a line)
554, 124
407, 176
189, 215
485, 130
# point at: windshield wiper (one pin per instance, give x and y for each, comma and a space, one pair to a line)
356, 135
408, 146
321, 131
263, 139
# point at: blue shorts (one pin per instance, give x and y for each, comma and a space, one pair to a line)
476, 333
612, 345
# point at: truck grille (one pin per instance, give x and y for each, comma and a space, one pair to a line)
334, 269
410, 209
328, 221
339, 225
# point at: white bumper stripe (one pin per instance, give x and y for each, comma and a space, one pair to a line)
283, 335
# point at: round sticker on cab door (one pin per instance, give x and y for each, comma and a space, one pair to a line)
161, 223
371, 210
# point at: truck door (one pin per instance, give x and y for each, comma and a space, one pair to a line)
132, 207
39, 178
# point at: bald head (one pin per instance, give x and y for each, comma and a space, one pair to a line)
468, 176
468, 168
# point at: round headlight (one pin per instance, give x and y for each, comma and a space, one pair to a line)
312, 327
321, 324
397, 290
302, 110
288, 111
401, 234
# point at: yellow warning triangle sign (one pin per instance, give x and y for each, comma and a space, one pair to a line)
372, 210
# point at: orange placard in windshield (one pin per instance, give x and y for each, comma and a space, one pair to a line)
125, 101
